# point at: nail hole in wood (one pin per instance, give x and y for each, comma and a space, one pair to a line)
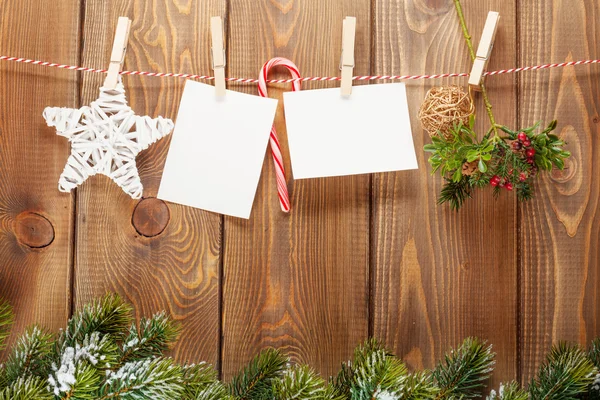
150, 217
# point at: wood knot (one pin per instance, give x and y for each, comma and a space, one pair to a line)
150, 217
567, 173
33, 230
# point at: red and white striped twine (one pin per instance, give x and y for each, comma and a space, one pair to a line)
262, 81
299, 79
282, 191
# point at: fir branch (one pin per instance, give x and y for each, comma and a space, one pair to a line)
30, 355
80, 369
464, 370
157, 379
419, 385
108, 315
594, 352
26, 389
201, 383
375, 373
6, 320
255, 381
566, 374
343, 381
153, 337
301, 382
509, 391
455, 193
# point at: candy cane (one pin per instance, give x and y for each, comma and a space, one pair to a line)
284, 198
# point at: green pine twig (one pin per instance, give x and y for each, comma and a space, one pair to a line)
151, 339
463, 372
6, 320
26, 389
256, 380
30, 355
566, 374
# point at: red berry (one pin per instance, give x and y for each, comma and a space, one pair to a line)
522, 136
495, 180
530, 152
527, 143
530, 161
509, 186
517, 145
502, 183
522, 177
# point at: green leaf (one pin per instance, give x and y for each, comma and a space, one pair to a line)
472, 156
482, 166
559, 163
457, 176
472, 121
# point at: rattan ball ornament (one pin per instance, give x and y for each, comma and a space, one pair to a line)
444, 107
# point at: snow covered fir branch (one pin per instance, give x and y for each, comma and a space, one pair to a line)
104, 354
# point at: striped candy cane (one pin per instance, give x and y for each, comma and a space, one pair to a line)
284, 198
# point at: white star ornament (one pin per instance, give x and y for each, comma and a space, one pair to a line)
105, 137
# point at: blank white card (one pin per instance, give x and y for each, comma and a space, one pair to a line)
217, 150
332, 135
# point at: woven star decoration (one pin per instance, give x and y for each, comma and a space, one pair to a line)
105, 137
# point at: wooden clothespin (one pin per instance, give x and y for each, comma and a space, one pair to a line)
218, 55
486, 44
347, 63
119, 49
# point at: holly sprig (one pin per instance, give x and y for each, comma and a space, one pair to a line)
510, 162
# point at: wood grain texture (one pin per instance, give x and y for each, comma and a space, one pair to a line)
297, 282
178, 269
36, 233
357, 255
438, 275
560, 228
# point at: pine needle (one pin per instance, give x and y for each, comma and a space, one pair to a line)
255, 381
463, 372
108, 315
509, 391
566, 374
153, 337
6, 320
301, 382
26, 389
157, 379
201, 383
30, 355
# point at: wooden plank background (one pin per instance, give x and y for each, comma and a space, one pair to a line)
360, 256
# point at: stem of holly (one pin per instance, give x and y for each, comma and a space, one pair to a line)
486, 100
